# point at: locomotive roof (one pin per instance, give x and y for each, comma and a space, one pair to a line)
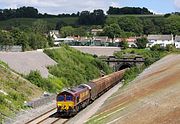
76, 90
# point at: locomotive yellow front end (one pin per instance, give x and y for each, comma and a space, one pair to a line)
65, 104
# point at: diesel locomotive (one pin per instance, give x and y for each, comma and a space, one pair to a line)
71, 101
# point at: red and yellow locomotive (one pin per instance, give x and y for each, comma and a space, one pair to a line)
72, 101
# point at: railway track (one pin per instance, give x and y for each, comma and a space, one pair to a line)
49, 117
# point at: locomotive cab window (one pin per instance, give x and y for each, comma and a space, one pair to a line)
60, 98
69, 98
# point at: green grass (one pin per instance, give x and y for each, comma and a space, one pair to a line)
14, 91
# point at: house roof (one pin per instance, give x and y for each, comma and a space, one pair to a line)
177, 38
159, 37
130, 39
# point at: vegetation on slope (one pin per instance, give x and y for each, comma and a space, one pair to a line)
14, 90
24, 23
75, 67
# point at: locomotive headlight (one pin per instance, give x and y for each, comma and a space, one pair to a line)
59, 104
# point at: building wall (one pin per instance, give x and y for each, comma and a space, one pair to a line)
161, 42
177, 44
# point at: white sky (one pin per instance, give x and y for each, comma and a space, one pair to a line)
69, 6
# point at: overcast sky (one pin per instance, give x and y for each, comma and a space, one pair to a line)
70, 6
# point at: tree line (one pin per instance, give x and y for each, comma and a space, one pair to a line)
29, 12
126, 26
128, 10
31, 38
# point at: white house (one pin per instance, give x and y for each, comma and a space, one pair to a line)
163, 40
54, 34
177, 41
57, 39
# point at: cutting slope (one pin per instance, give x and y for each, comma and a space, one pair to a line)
24, 62
14, 90
152, 98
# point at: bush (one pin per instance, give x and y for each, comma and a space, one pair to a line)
35, 78
52, 84
170, 48
132, 73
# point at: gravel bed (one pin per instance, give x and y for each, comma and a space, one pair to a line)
27, 115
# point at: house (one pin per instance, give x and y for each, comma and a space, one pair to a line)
86, 41
96, 31
131, 41
100, 40
54, 34
162, 40
59, 40
177, 41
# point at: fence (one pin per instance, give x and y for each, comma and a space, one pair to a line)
42, 101
11, 48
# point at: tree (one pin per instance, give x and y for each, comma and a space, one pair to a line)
37, 41
149, 27
128, 10
172, 25
112, 31
50, 41
40, 26
20, 38
67, 31
80, 31
97, 17
131, 24
60, 24
141, 42
124, 44
6, 40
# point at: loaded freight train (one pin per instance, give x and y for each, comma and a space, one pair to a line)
70, 102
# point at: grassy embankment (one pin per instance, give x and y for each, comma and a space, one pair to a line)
14, 90
73, 68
